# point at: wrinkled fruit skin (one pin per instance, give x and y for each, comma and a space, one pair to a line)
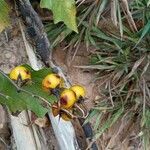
67, 99
21, 72
52, 81
79, 91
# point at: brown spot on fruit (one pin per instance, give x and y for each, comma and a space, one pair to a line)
67, 98
48, 82
63, 100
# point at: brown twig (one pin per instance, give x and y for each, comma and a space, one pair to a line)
84, 115
113, 12
125, 8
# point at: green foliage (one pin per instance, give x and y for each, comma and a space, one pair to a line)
4, 15
30, 97
62, 11
109, 122
121, 59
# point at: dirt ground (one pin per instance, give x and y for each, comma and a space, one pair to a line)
75, 75
13, 54
123, 135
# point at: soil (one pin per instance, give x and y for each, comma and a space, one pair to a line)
122, 135
13, 54
63, 58
4, 129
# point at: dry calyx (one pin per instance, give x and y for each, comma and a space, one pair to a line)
68, 103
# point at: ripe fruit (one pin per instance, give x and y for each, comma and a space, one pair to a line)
79, 91
52, 81
67, 99
20, 72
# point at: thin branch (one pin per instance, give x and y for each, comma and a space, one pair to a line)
125, 7
90, 144
111, 99
5, 96
2, 140
144, 97
84, 115
113, 12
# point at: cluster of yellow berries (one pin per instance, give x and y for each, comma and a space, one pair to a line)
67, 97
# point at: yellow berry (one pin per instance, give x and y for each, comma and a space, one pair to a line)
79, 91
67, 98
21, 72
52, 81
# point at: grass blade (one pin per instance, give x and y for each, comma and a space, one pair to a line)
109, 123
145, 31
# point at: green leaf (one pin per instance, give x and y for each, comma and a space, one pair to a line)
145, 31
101, 9
99, 117
100, 34
109, 122
19, 101
4, 15
63, 10
91, 116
